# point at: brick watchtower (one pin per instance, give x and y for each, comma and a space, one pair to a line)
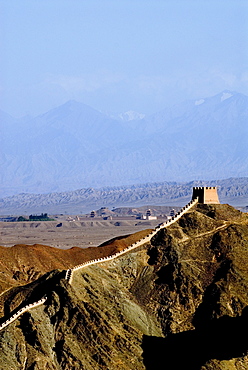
206, 195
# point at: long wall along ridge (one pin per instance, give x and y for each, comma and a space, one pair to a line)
204, 195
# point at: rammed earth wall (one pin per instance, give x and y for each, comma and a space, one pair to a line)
69, 272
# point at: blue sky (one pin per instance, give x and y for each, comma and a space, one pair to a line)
117, 55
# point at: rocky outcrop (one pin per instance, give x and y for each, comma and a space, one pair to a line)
178, 302
201, 292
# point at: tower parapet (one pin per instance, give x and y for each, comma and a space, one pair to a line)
206, 194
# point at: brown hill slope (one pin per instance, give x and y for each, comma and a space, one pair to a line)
178, 303
22, 264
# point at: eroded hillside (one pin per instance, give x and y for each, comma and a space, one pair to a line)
23, 263
179, 302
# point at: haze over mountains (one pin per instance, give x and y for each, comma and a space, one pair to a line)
233, 191
74, 146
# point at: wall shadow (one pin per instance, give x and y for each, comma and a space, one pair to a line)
220, 339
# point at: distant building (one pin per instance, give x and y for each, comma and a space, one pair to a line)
206, 195
172, 214
93, 214
149, 216
146, 216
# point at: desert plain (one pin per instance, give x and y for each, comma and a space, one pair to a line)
65, 234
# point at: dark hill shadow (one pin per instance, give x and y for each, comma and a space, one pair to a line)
220, 339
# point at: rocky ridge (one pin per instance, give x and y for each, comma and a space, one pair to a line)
148, 309
22, 264
232, 190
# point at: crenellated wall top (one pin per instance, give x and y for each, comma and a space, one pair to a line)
69, 272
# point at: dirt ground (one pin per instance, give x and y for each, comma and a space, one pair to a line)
65, 234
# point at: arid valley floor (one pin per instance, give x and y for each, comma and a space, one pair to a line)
65, 234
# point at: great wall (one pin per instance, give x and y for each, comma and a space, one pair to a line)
69, 272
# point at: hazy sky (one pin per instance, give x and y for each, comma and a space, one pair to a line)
119, 55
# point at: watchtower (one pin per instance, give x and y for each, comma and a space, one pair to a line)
206, 195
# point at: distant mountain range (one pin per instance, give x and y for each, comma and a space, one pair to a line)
233, 191
74, 146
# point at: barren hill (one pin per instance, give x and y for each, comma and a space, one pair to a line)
179, 302
22, 264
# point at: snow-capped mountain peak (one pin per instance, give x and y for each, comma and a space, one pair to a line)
75, 146
131, 116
